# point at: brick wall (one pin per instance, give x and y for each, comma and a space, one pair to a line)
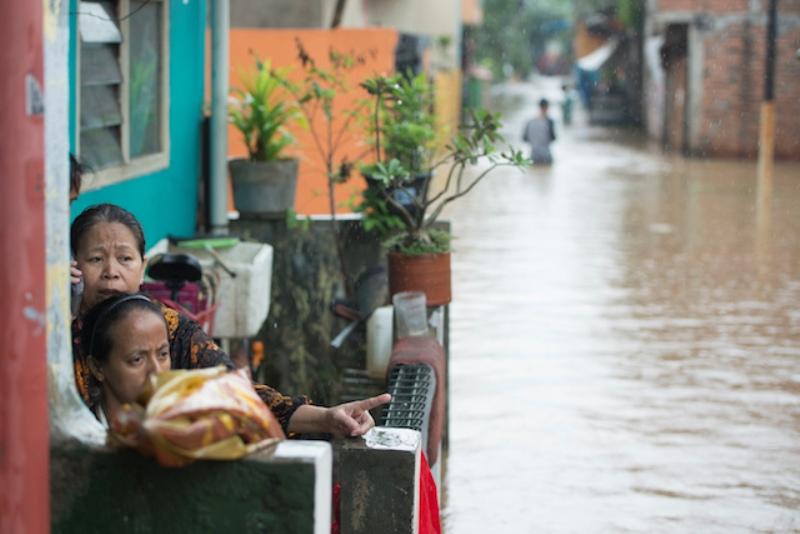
721, 6
733, 75
714, 6
733, 87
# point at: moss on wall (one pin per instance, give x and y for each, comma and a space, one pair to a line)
306, 280
124, 492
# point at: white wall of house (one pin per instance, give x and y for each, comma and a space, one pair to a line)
431, 18
434, 18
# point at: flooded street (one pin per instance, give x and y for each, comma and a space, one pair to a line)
625, 342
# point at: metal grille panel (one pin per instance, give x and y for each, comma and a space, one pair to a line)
412, 388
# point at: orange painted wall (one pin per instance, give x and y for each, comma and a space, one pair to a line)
377, 46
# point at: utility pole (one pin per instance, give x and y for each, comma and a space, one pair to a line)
766, 141
220, 54
766, 145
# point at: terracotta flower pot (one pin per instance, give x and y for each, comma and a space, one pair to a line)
429, 273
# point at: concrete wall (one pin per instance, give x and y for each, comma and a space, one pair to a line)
653, 86
69, 416
726, 56
441, 18
305, 281
447, 101
379, 478
98, 490
277, 14
418, 17
24, 505
164, 201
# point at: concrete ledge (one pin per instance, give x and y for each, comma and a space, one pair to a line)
98, 490
379, 477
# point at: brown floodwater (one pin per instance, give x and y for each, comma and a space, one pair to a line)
625, 342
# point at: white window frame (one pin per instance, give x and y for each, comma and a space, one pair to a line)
131, 167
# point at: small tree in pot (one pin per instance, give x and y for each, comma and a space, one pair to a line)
265, 181
403, 131
419, 253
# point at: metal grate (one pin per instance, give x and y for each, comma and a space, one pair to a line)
412, 388
357, 385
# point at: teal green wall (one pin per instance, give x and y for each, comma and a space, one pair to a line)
165, 201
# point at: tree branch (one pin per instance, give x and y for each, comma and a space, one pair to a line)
403, 211
447, 183
432, 218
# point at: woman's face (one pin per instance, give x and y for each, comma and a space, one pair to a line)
140, 347
108, 257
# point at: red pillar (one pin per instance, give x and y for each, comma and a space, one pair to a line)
24, 448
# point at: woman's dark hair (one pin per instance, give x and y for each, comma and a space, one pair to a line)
100, 213
76, 170
95, 338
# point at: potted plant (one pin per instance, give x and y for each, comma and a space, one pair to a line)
418, 252
265, 181
403, 131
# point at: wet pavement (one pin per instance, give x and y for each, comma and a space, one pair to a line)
625, 342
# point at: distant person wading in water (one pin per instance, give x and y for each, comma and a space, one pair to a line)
539, 133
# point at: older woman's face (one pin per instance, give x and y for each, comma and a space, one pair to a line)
110, 261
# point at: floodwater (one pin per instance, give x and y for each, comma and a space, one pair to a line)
625, 342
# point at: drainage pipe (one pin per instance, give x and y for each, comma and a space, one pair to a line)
218, 188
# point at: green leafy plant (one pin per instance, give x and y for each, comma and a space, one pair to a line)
402, 126
333, 121
404, 214
262, 109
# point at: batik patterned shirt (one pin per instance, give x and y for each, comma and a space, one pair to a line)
190, 348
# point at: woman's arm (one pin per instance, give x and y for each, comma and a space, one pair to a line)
349, 419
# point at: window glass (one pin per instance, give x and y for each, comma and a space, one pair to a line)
100, 79
100, 107
120, 79
100, 65
97, 23
100, 147
145, 77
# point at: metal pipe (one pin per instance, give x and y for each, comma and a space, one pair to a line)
218, 190
766, 141
766, 137
769, 79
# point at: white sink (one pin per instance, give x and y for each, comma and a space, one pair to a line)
244, 299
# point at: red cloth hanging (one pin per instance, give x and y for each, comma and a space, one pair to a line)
429, 521
337, 509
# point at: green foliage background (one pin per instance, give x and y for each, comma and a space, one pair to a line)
516, 32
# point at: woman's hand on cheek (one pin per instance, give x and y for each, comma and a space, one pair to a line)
75, 274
